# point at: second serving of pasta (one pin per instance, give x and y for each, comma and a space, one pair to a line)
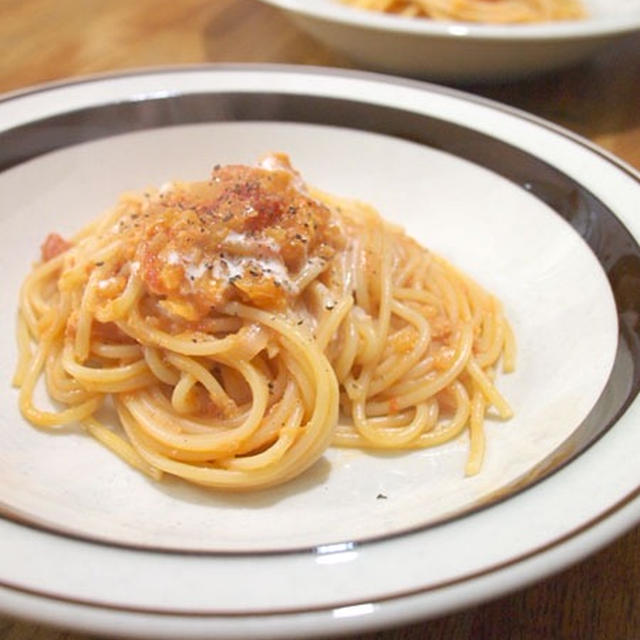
482, 11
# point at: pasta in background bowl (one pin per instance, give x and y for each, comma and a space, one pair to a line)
457, 51
485, 11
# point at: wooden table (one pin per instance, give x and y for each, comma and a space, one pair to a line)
45, 40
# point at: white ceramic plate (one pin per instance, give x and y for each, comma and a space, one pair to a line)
535, 214
461, 52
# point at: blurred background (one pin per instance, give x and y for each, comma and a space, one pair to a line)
45, 40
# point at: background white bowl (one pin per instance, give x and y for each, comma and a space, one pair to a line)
461, 52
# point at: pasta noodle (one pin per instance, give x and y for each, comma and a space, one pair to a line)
243, 324
487, 11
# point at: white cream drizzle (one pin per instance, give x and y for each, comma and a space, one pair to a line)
195, 271
106, 283
174, 258
236, 239
234, 266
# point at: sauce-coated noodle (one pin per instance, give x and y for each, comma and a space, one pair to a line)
243, 324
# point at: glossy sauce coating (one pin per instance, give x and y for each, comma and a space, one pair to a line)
244, 234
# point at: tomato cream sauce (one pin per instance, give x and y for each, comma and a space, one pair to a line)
245, 234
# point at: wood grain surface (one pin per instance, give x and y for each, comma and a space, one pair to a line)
46, 40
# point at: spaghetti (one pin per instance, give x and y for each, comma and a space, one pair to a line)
242, 325
487, 11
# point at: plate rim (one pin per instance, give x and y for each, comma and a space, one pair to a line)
629, 499
319, 70
588, 28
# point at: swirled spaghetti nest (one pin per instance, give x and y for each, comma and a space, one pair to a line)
243, 324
